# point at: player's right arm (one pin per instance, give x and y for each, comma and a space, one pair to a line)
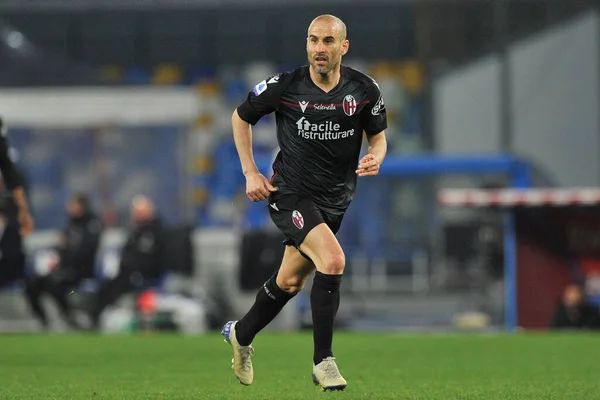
257, 185
263, 99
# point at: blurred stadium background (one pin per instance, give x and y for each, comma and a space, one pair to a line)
119, 98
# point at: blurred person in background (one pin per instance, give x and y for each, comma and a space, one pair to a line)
574, 312
73, 260
322, 111
142, 257
15, 219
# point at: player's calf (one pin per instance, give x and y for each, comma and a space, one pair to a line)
324, 304
292, 285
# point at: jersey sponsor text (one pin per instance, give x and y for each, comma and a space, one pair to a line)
323, 131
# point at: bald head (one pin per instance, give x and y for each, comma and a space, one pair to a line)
142, 209
326, 44
332, 22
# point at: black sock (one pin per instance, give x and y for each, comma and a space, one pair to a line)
324, 303
270, 299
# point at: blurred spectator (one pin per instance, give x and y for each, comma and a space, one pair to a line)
574, 312
74, 261
15, 220
142, 257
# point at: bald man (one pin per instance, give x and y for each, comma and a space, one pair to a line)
142, 257
322, 111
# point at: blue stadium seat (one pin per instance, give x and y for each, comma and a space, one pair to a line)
137, 76
236, 90
199, 74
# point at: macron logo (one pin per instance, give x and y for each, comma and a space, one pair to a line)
303, 105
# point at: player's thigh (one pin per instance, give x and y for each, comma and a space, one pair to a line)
294, 271
323, 248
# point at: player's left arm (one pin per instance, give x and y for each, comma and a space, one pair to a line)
375, 123
370, 163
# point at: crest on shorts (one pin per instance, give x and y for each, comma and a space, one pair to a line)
349, 105
298, 219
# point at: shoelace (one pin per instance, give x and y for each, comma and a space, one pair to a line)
246, 353
330, 368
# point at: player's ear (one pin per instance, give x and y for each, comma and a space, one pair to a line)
345, 46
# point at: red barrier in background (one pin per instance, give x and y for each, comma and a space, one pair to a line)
555, 247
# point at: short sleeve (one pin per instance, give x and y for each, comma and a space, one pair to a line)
263, 99
374, 115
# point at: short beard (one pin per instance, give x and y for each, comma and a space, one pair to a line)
321, 71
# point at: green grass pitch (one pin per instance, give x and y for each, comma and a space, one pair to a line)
377, 366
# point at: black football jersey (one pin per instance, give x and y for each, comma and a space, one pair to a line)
319, 133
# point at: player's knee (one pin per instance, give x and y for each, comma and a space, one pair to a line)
334, 264
293, 285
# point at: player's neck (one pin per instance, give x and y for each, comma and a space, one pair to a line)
326, 82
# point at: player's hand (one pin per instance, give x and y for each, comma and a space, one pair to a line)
368, 166
258, 187
26, 223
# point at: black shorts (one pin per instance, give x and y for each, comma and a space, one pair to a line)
296, 215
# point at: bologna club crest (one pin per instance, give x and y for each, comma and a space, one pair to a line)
349, 105
297, 219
